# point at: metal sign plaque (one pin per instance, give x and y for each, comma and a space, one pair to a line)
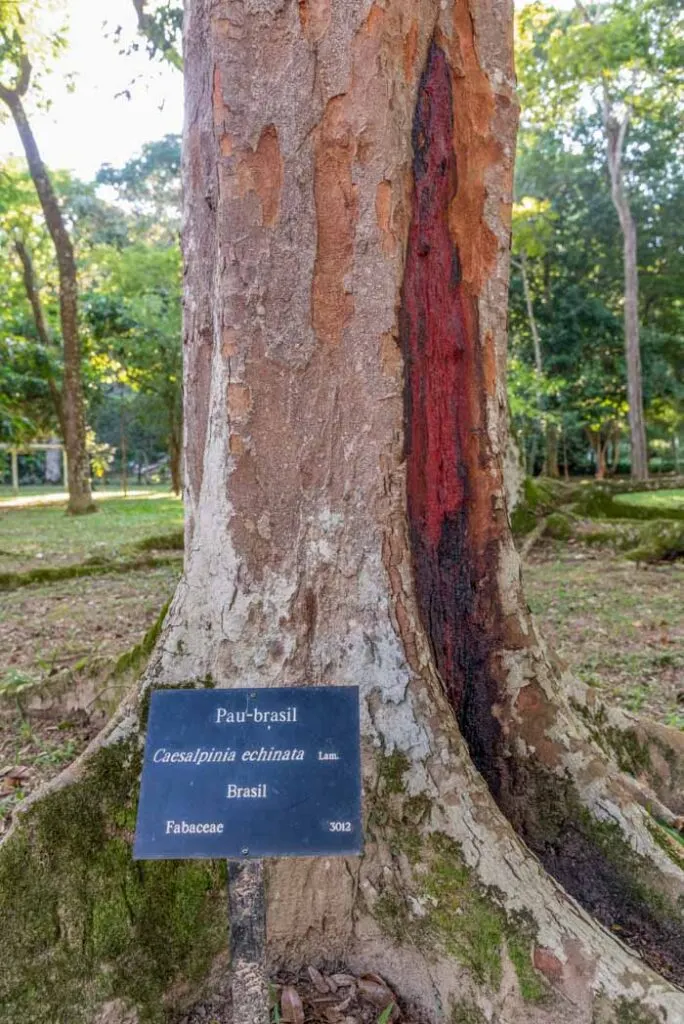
251, 773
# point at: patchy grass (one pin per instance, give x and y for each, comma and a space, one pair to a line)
39, 536
619, 627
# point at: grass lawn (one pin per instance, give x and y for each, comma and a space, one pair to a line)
664, 500
619, 627
46, 536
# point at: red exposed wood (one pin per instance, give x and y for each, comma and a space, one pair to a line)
448, 487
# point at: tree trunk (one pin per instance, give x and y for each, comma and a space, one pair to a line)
33, 295
176, 457
551, 460
345, 427
538, 362
348, 555
615, 139
73, 411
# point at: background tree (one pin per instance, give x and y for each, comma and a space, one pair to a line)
15, 73
134, 309
577, 282
623, 56
160, 22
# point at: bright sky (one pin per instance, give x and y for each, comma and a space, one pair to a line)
91, 125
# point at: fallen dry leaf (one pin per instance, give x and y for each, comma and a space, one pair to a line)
291, 1009
317, 980
342, 980
375, 991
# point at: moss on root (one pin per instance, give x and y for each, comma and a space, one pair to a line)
632, 754
82, 922
630, 1011
134, 659
467, 1013
95, 566
660, 541
670, 841
455, 912
559, 526
172, 541
595, 862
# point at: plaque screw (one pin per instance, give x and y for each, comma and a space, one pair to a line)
245, 851
252, 696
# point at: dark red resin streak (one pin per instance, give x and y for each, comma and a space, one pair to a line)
443, 389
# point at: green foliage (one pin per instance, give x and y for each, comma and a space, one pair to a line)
624, 57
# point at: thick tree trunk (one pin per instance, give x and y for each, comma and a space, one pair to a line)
348, 187
347, 554
615, 138
72, 404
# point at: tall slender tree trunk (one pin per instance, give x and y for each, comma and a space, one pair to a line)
615, 139
345, 426
551, 457
176, 454
72, 404
538, 361
33, 295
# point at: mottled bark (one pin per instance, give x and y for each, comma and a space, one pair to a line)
360, 167
72, 405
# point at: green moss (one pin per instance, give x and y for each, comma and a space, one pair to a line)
610, 501
174, 541
391, 770
631, 1011
558, 526
82, 922
392, 915
523, 521
467, 1013
520, 946
632, 754
660, 542
136, 657
462, 917
540, 497
669, 840
92, 567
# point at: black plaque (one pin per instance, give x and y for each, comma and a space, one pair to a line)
272, 772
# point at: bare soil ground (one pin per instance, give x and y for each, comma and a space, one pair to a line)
619, 626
